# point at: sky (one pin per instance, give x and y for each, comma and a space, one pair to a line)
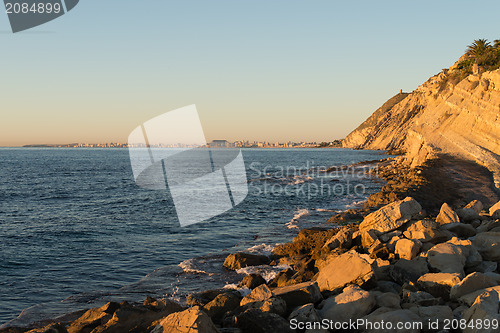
256, 70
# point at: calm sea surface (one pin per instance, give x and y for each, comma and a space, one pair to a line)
76, 231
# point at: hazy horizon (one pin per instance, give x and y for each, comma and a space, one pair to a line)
281, 71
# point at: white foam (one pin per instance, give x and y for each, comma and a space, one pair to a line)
189, 266
293, 224
265, 249
242, 290
266, 271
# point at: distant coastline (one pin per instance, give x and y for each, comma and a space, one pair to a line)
213, 144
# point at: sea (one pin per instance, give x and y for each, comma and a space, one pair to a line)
76, 231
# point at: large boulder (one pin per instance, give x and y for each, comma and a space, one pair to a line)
485, 307
460, 229
472, 282
488, 244
439, 284
252, 281
347, 268
447, 258
239, 260
256, 321
407, 248
388, 300
305, 314
261, 293
447, 215
391, 216
351, 304
408, 270
192, 320
221, 304
299, 294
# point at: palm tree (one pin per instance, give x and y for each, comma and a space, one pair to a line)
479, 47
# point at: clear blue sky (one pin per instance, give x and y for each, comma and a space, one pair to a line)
259, 70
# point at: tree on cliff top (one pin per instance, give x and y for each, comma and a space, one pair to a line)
478, 47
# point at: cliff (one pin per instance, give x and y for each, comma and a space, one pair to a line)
442, 116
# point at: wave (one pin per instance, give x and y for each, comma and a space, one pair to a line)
293, 224
266, 271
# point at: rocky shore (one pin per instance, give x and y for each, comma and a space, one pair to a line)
417, 254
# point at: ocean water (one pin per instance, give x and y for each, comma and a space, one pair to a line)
76, 231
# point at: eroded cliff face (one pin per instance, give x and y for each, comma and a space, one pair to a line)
439, 117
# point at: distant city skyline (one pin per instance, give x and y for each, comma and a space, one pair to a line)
263, 71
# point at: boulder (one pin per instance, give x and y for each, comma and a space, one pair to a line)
347, 268
485, 307
93, 317
188, 321
261, 293
471, 283
299, 294
283, 278
440, 314
129, 318
221, 304
470, 298
342, 239
468, 215
447, 258
352, 304
239, 260
252, 281
392, 316
256, 321
305, 313
407, 248
488, 244
275, 305
203, 297
474, 258
495, 210
391, 216
368, 237
460, 229
389, 300
486, 266
429, 235
447, 215
487, 225
408, 270
439, 284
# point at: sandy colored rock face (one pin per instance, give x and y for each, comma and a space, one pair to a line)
347, 268
299, 294
460, 120
188, 321
391, 216
447, 258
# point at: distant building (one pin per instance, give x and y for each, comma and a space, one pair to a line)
221, 144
